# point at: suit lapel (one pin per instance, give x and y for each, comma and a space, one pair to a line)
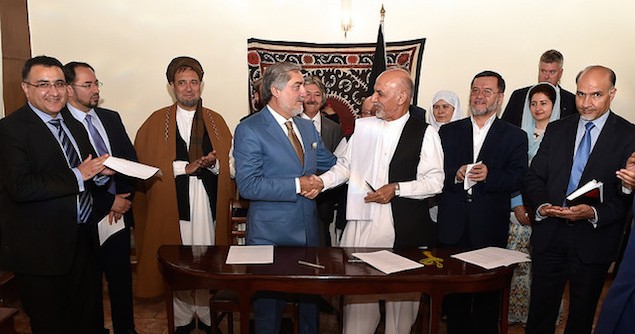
275, 131
605, 142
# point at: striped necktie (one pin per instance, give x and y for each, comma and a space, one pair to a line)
85, 200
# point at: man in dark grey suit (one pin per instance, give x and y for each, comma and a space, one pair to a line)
46, 179
577, 243
549, 70
108, 135
331, 134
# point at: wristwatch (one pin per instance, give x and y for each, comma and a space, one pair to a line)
397, 192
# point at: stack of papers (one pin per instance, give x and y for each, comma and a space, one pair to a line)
256, 254
387, 262
493, 257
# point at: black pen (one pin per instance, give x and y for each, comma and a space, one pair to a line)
369, 186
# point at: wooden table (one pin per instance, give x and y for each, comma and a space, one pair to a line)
203, 267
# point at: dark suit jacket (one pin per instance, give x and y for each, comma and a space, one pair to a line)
331, 133
266, 168
548, 176
38, 192
504, 152
121, 147
513, 112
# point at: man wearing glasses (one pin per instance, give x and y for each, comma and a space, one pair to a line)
108, 136
46, 177
492, 155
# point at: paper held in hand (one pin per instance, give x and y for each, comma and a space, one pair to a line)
591, 193
467, 183
387, 262
131, 168
493, 257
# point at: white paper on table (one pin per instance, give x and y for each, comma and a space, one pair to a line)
252, 254
106, 229
131, 168
467, 183
493, 257
388, 262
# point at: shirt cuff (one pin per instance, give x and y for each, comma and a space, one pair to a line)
79, 178
215, 169
538, 216
178, 167
626, 191
297, 185
594, 221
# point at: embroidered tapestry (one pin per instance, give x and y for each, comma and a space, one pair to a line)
343, 68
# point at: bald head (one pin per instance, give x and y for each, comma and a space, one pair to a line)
393, 92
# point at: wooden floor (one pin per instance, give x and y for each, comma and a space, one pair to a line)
150, 318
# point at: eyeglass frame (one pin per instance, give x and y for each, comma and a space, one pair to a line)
486, 92
46, 85
90, 85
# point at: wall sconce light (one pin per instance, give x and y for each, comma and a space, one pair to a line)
347, 23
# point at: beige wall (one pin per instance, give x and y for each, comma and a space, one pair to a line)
130, 42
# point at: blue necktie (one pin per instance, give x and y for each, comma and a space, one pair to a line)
85, 200
580, 159
100, 146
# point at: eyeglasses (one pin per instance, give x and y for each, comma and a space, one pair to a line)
89, 85
45, 85
486, 92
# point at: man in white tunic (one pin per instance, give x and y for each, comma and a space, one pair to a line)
401, 157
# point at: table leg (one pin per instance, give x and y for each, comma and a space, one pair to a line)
169, 307
244, 301
504, 309
436, 300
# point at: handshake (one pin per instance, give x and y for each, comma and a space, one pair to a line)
311, 186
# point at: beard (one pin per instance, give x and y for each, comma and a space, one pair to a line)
297, 111
488, 109
188, 103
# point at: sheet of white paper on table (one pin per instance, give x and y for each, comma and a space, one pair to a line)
467, 183
493, 257
106, 229
131, 168
387, 262
252, 254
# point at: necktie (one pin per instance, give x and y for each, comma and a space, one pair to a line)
100, 146
580, 159
294, 141
85, 200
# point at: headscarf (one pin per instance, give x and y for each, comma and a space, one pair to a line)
529, 123
449, 97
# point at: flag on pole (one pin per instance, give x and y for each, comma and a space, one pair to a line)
379, 60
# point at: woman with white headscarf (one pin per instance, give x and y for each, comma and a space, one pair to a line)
542, 105
445, 108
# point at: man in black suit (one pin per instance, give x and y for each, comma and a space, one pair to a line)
48, 239
549, 70
108, 134
479, 216
577, 243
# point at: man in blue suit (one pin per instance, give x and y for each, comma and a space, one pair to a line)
275, 155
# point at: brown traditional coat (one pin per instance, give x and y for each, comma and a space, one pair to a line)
155, 205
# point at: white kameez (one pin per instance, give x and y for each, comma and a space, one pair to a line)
198, 231
367, 158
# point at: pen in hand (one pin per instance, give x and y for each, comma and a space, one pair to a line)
370, 187
312, 265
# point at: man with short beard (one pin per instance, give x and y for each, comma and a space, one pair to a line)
188, 203
108, 135
275, 155
479, 216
